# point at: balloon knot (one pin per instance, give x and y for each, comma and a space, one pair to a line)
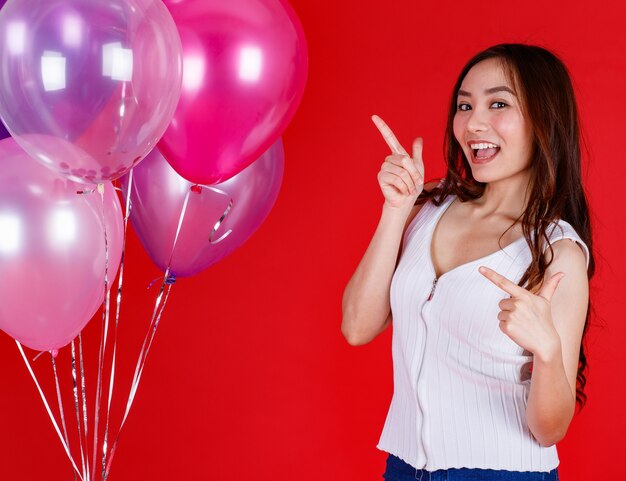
54, 353
169, 280
196, 189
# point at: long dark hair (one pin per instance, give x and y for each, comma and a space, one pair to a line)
555, 189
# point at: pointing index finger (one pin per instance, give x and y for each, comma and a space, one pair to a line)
388, 135
502, 282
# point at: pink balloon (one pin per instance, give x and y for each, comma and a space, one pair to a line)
207, 235
52, 251
244, 70
102, 77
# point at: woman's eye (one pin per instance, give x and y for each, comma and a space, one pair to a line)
460, 107
501, 103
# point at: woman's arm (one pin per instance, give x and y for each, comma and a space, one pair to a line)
552, 398
365, 304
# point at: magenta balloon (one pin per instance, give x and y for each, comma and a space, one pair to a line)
102, 77
52, 251
244, 71
157, 198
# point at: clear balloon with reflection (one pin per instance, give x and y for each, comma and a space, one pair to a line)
89, 86
52, 250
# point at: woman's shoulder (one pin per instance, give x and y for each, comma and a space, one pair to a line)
561, 229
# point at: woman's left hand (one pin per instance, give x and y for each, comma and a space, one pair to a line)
526, 317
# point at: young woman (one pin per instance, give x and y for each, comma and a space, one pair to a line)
485, 275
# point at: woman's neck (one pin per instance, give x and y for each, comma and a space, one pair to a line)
505, 197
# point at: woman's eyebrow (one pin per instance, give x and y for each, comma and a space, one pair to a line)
492, 90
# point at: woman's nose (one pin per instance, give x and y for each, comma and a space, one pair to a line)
477, 121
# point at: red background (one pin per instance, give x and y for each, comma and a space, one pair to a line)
249, 376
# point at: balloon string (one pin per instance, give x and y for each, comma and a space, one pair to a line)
38, 355
104, 336
80, 436
222, 217
118, 303
139, 368
60, 401
82, 402
45, 402
167, 280
84, 399
170, 280
154, 324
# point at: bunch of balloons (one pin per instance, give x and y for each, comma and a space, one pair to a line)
183, 101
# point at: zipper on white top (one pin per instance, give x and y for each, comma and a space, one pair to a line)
432, 290
421, 363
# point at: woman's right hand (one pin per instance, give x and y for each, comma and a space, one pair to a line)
401, 177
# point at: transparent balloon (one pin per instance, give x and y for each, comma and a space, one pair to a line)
89, 86
52, 250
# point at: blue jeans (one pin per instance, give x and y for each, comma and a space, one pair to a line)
398, 470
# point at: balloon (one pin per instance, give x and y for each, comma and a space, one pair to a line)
52, 250
157, 197
3, 132
89, 86
244, 70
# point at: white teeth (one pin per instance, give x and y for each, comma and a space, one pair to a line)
483, 146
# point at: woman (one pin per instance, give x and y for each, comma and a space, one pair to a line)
486, 276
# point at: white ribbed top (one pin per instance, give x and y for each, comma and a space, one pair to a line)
460, 384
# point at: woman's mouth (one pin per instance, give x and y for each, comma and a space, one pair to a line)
483, 153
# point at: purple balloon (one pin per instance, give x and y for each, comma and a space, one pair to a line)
52, 250
218, 219
245, 68
4, 133
89, 86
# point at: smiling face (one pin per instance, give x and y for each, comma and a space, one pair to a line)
489, 124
